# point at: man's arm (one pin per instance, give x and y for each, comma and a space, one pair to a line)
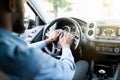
62, 69
53, 69
41, 44
67, 56
32, 63
52, 38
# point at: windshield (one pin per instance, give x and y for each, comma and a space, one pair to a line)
84, 9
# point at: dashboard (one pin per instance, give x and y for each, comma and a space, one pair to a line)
104, 36
100, 44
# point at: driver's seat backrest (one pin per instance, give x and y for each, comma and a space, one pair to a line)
3, 76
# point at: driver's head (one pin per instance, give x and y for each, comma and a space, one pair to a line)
12, 15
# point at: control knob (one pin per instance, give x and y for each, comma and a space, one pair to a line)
116, 50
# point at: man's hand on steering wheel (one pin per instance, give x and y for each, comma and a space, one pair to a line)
66, 40
68, 25
54, 36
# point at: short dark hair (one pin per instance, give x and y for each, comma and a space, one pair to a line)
5, 4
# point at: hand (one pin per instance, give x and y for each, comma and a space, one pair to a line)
66, 40
55, 35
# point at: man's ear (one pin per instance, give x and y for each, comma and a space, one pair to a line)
12, 5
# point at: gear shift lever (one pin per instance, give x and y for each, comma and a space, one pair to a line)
102, 73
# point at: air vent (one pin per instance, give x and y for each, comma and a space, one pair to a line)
91, 25
90, 32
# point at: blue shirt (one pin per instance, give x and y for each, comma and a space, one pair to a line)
21, 61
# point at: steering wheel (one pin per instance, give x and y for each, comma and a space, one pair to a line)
67, 25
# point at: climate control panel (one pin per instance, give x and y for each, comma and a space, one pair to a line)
104, 36
107, 48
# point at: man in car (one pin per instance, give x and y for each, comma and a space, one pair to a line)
22, 62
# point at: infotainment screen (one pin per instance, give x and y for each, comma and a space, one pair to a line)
108, 32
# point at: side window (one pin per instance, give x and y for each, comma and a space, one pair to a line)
29, 18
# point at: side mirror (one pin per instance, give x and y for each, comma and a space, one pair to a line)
29, 23
26, 22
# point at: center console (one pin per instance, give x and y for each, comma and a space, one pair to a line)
104, 38
103, 71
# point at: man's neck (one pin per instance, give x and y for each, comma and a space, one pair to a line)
5, 23
5, 28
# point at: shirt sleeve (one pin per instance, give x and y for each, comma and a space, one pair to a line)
54, 69
33, 63
67, 56
40, 44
